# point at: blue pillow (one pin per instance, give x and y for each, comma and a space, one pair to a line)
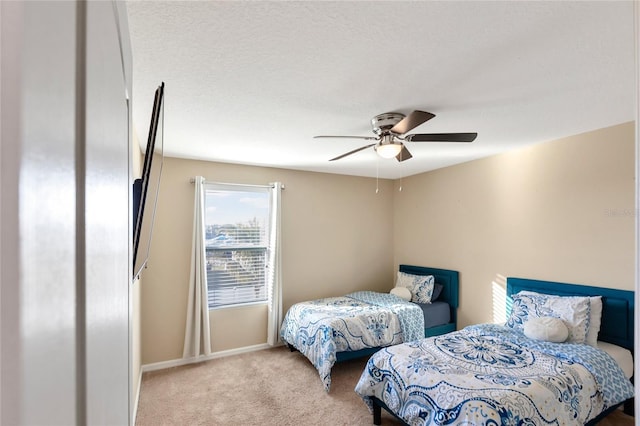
437, 289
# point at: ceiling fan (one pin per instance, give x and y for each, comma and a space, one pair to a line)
389, 129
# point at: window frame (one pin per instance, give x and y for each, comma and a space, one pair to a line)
263, 247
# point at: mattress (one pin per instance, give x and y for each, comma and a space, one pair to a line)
435, 313
621, 355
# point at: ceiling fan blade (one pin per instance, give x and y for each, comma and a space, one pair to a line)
404, 154
411, 121
352, 152
442, 137
370, 138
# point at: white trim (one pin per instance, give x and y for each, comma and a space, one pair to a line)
134, 409
220, 354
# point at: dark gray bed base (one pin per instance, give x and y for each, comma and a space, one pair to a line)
449, 281
379, 405
617, 325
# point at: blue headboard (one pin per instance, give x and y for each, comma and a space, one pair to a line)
617, 306
448, 279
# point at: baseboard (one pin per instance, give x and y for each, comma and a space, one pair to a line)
185, 361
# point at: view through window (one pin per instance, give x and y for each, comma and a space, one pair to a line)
237, 244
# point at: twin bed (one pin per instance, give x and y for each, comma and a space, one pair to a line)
491, 374
335, 329
563, 357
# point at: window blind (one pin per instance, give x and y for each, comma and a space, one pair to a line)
236, 252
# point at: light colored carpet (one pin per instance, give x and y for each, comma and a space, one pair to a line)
268, 387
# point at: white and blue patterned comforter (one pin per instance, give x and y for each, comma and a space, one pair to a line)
364, 319
492, 375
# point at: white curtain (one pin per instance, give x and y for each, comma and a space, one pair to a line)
197, 337
275, 274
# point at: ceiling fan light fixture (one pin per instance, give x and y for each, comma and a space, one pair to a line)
388, 149
393, 126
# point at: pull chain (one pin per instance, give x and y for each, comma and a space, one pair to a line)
377, 173
401, 177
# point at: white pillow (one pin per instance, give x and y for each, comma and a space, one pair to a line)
420, 286
595, 316
573, 310
595, 320
550, 329
401, 292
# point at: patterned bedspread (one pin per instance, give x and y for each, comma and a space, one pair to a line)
364, 319
492, 375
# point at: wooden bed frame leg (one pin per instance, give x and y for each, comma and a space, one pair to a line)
377, 414
291, 348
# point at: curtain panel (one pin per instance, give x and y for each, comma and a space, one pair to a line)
197, 338
275, 274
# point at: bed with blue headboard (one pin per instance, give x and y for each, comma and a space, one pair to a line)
617, 325
419, 382
336, 329
449, 280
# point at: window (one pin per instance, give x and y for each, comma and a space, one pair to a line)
237, 219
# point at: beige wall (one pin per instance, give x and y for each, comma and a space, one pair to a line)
337, 237
560, 211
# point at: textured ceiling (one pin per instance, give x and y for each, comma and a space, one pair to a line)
253, 82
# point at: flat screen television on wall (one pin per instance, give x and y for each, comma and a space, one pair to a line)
146, 189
